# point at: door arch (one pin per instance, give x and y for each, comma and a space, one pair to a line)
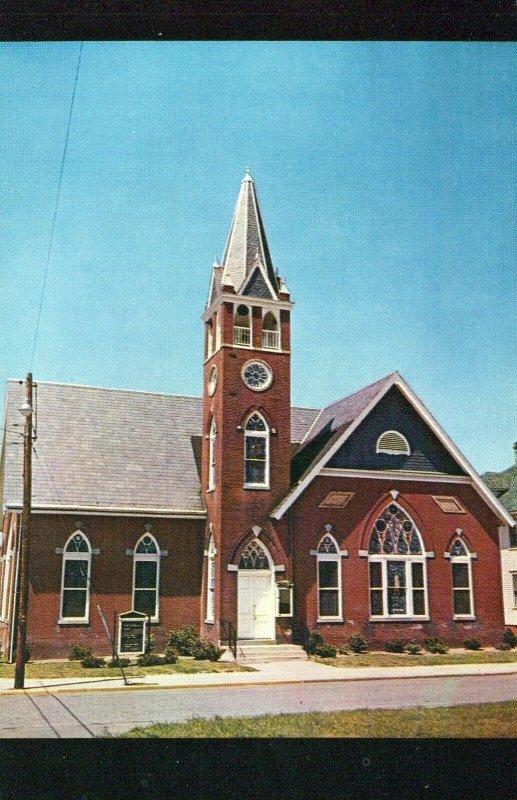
255, 593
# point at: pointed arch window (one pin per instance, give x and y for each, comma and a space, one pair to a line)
254, 556
270, 332
242, 326
212, 452
75, 579
256, 452
461, 567
210, 581
330, 603
146, 576
209, 338
7, 572
398, 580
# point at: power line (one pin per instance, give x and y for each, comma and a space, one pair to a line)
51, 239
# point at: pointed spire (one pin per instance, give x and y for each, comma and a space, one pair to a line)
247, 239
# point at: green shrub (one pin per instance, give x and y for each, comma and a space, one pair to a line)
343, 649
123, 662
313, 641
433, 644
92, 662
395, 646
472, 644
413, 648
206, 651
510, 638
78, 652
357, 643
150, 660
325, 651
171, 655
503, 646
184, 640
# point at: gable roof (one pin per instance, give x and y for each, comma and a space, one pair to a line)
336, 423
247, 240
112, 450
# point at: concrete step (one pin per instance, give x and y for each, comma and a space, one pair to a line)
255, 653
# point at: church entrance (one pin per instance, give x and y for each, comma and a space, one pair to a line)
255, 594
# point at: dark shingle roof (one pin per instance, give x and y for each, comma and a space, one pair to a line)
112, 448
332, 422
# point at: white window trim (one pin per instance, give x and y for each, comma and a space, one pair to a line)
514, 589
387, 452
250, 316
330, 557
276, 315
463, 560
261, 435
7, 574
284, 589
84, 620
210, 339
212, 442
408, 559
210, 572
148, 557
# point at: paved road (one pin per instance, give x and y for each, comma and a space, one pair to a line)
95, 713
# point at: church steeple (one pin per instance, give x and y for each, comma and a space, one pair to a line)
246, 248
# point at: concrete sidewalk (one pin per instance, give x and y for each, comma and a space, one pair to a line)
267, 673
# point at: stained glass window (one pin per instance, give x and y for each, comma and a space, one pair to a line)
329, 579
256, 452
461, 579
254, 557
397, 587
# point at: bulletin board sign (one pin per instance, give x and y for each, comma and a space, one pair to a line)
131, 633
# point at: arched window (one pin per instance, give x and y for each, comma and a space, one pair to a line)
242, 326
256, 451
329, 580
210, 581
7, 573
254, 556
393, 443
209, 338
75, 581
146, 576
398, 584
461, 566
270, 332
212, 449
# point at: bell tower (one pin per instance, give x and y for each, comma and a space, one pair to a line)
246, 450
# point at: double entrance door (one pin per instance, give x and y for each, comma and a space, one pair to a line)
256, 605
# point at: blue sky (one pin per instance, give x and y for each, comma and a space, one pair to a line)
386, 176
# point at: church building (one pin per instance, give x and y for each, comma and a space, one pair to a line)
237, 510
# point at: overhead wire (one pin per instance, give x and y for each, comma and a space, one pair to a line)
56, 208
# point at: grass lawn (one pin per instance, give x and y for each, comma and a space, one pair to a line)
474, 721
73, 669
423, 659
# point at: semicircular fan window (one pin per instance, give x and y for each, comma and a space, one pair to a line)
393, 443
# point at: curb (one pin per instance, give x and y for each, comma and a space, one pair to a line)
41, 690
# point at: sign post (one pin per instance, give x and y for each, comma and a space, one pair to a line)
113, 648
131, 633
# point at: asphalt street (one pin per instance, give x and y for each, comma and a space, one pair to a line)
94, 713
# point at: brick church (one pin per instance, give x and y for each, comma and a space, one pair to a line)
239, 508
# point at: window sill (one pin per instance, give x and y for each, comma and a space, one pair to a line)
330, 619
256, 486
463, 617
209, 621
400, 618
212, 489
285, 616
71, 621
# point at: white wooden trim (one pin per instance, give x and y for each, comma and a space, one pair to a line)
125, 511
395, 475
153, 557
233, 568
279, 568
257, 265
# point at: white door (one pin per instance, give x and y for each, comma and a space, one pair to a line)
256, 609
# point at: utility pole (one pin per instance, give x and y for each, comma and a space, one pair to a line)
23, 604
